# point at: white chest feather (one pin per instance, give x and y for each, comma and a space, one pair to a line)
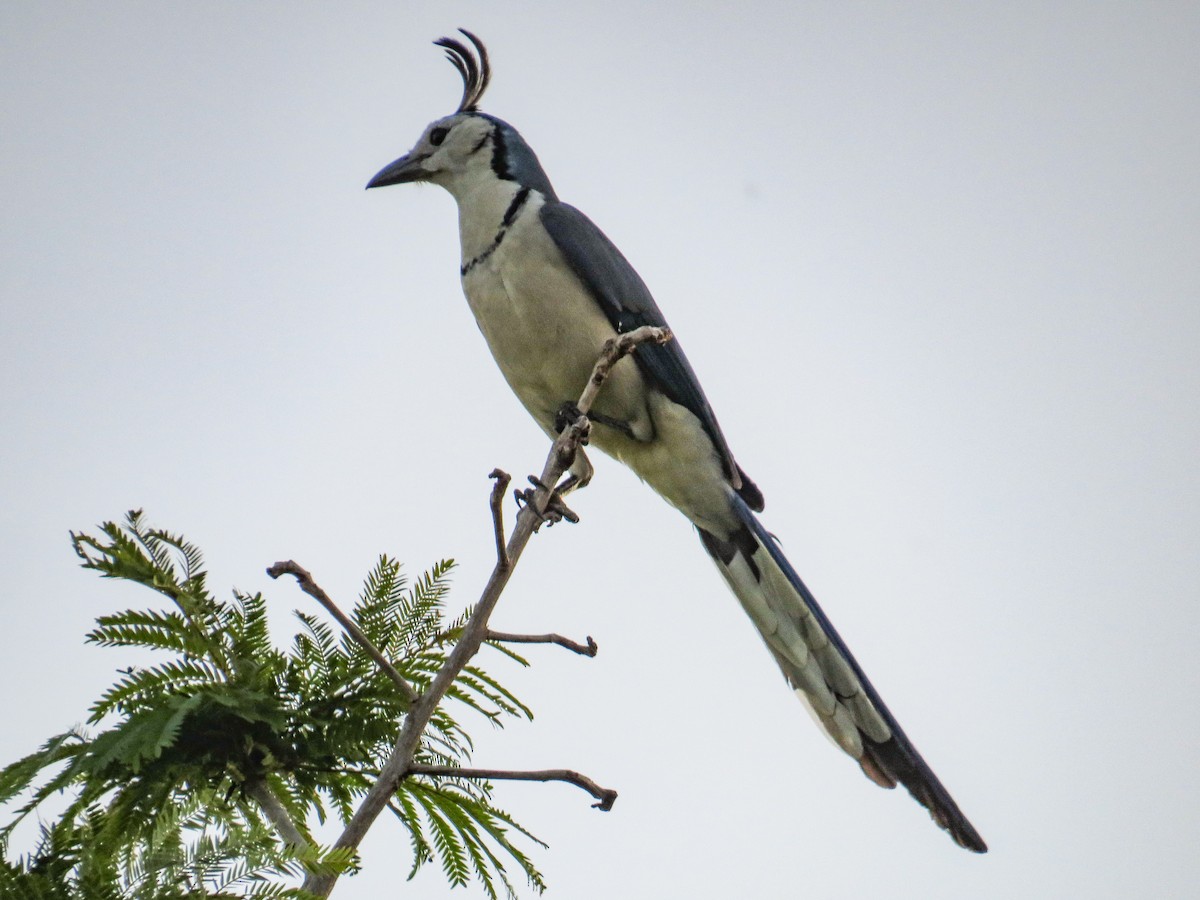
543, 328
545, 332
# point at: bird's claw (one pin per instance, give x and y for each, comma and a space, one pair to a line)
566, 416
556, 510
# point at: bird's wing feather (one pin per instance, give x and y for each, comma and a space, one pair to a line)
620, 292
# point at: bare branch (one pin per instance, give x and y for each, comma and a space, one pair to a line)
497, 504
588, 649
262, 794
614, 350
310, 587
606, 796
561, 455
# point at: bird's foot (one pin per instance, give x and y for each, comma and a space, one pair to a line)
569, 413
556, 510
566, 416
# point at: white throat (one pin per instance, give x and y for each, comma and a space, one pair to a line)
483, 199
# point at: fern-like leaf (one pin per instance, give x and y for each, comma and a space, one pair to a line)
159, 801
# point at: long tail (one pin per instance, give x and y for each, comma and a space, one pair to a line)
823, 673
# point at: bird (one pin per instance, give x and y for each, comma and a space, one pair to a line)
547, 289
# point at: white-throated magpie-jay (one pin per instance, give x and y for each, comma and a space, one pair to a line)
548, 288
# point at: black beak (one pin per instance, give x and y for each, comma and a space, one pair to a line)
407, 168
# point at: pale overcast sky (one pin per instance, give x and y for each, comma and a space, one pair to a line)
936, 265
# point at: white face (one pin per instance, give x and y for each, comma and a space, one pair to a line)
453, 147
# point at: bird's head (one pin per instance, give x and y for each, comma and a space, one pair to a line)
467, 147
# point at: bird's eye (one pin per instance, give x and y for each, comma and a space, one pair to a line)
438, 135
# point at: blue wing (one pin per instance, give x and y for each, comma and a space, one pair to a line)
626, 301
620, 292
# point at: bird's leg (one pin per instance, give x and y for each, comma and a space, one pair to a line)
569, 412
578, 476
581, 470
615, 424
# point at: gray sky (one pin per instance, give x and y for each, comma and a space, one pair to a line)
935, 265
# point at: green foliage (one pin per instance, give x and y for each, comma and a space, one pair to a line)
161, 798
66, 866
459, 825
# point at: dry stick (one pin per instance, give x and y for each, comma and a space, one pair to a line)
588, 649
606, 796
614, 350
497, 504
259, 790
559, 460
313, 589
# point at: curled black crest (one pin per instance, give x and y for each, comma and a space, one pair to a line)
474, 68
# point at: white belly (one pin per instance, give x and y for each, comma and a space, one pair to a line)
545, 332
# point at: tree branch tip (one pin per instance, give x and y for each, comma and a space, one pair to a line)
286, 567
590, 649
606, 802
496, 502
314, 590
645, 334
605, 797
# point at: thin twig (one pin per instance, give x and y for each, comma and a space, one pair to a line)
606, 796
497, 504
310, 587
399, 764
588, 649
614, 350
262, 794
